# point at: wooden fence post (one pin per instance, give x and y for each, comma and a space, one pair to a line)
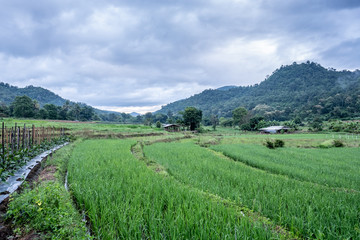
23, 137
33, 135
3, 142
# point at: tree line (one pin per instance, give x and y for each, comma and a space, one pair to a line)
25, 107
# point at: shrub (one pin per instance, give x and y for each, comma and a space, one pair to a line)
326, 144
338, 143
272, 144
269, 144
279, 143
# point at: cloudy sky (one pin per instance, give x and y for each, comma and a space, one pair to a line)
136, 55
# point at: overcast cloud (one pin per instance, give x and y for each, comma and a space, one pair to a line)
137, 55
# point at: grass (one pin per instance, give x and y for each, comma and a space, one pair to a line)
82, 126
126, 200
334, 167
309, 140
308, 210
47, 208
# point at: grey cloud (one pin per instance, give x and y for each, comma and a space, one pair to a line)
142, 53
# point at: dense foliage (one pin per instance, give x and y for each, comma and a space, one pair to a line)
305, 90
192, 117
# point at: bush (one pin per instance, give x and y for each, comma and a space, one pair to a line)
331, 143
279, 143
326, 144
272, 144
269, 144
338, 143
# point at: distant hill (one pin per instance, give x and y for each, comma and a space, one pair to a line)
305, 90
225, 88
134, 114
41, 95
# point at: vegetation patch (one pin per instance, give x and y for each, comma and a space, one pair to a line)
306, 209
126, 200
272, 144
331, 143
46, 211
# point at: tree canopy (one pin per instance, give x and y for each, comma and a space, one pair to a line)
192, 117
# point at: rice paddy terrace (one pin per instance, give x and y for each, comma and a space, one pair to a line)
234, 189
220, 185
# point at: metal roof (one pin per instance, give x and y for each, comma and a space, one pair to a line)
274, 128
169, 125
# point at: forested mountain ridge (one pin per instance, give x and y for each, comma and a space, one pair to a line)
305, 90
41, 95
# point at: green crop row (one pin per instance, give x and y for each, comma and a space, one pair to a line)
126, 200
308, 210
336, 167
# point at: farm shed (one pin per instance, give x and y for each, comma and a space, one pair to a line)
172, 127
274, 129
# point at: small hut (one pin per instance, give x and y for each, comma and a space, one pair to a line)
274, 129
172, 127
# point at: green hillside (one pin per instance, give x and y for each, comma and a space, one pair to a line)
41, 95
305, 90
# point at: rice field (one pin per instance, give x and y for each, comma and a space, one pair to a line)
333, 167
168, 187
309, 210
126, 200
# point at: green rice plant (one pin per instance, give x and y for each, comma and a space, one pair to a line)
126, 200
309, 210
333, 167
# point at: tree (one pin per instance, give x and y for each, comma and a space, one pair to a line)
170, 116
148, 119
43, 114
192, 117
4, 110
86, 113
52, 111
24, 107
214, 121
239, 116
226, 122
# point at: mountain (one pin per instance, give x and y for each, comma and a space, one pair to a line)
305, 90
134, 114
41, 95
225, 88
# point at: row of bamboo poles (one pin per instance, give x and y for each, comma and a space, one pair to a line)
21, 137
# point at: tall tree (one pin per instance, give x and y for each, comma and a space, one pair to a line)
214, 121
24, 107
192, 117
52, 111
239, 116
148, 118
